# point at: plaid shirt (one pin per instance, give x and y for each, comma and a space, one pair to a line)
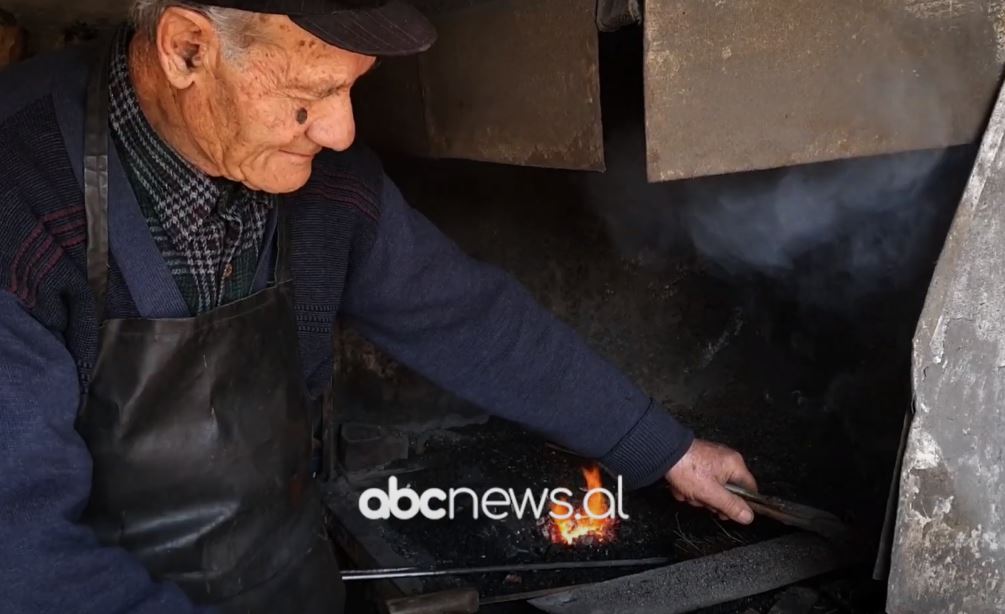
209, 231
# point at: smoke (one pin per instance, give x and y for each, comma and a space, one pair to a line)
836, 233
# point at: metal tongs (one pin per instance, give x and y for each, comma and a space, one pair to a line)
797, 515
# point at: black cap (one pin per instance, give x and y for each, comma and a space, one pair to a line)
370, 27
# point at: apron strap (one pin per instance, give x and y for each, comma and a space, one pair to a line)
96, 178
283, 271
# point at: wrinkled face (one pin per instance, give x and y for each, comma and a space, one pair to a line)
260, 115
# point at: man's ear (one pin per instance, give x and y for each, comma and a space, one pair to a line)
187, 44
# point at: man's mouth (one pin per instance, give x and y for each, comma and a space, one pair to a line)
302, 156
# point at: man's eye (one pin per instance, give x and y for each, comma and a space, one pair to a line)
316, 96
304, 95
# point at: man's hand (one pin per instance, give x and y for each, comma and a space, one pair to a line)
700, 475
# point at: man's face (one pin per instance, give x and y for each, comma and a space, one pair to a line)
262, 115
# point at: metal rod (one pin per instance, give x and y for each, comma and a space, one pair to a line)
414, 572
797, 515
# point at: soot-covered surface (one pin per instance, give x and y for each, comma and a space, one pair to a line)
804, 369
770, 311
501, 455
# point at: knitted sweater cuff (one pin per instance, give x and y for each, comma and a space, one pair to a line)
649, 449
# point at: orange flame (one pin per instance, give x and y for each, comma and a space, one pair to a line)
580, 527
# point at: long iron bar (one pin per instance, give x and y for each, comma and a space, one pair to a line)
415, 572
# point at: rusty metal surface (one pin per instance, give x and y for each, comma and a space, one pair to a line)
949, 548
503, 86
509, 81
752, 84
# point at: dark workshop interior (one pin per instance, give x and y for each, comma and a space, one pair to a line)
772, 311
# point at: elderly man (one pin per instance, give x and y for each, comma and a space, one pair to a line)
184, 218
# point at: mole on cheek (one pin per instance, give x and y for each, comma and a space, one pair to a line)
302, 116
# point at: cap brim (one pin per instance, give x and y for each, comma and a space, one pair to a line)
395, 28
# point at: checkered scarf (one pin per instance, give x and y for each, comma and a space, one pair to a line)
210, 231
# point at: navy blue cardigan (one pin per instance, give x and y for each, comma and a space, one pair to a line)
359, 253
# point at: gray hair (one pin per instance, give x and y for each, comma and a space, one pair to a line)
234, 26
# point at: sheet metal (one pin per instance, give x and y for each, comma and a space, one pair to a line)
752, 84
704, 582
511, 81
949, 546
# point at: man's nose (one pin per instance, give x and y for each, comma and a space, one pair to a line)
335, 128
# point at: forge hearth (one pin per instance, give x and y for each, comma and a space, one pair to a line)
498, 454
501, 455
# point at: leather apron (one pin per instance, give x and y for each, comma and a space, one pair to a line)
199, 433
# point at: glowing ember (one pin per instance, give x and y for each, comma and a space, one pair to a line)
597, 526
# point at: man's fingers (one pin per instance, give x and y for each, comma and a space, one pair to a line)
729, 504
701, 475
741, 476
